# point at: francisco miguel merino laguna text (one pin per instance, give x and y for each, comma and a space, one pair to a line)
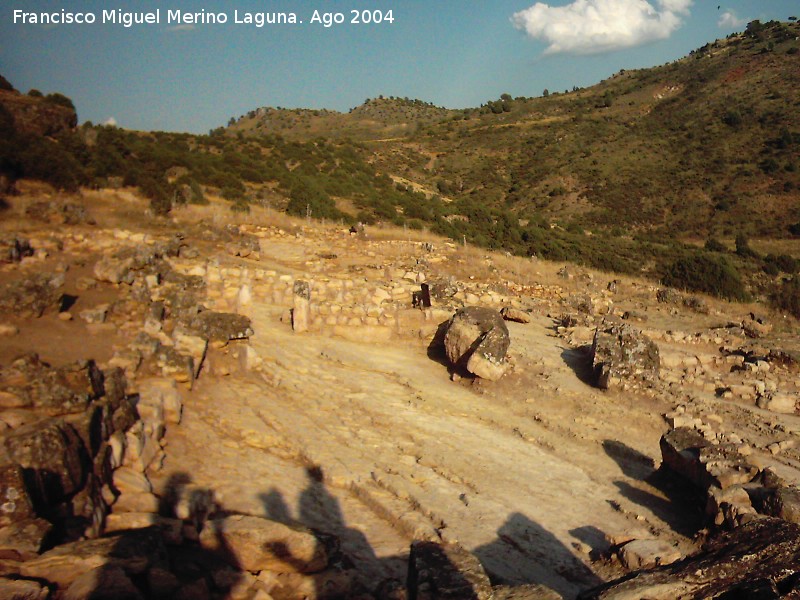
176, 17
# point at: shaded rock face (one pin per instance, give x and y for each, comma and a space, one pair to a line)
477, 339
760, 559
623, 352
445, 571
30, 383
36, 116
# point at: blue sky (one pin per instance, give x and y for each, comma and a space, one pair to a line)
452, 53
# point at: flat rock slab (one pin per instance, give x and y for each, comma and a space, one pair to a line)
256, 544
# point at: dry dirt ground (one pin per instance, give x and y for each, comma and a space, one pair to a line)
371, 440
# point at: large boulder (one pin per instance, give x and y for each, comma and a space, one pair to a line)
135, 552
30, 296
689, 454
31, 383
219, 328
54, 460
255, 544
623, 352
760, 559
477, 339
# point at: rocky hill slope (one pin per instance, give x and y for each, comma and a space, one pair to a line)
262, 409
706, 145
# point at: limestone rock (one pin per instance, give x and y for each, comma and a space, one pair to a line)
623, 352
194, 346
96, 314
779, 402
15, 503
136, 502
30, 296
124, 265
764, 553
300, 311
171, 529
686, 452
644, 554
256, 544
24, 539
440, 571
220, 328
54, 391
163, 393
22, 589
784, 503
516, 315
531, 591
477, 339
133, 551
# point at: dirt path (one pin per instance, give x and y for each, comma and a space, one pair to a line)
529, 473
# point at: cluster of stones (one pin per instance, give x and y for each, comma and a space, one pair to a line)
732, 367
369, 296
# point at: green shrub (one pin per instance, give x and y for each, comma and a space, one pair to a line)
705, 273
787, 297
782, 263
60, 100
160, 197
714, 245
743, 248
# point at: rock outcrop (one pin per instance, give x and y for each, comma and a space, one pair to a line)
477, 340
760, 559
37, 116
621, 352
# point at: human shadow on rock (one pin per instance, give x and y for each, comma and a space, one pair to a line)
527, 553
164, 560
678, 508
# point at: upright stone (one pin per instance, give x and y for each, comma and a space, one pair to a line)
302, 302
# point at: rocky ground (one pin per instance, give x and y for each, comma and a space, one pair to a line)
264, 408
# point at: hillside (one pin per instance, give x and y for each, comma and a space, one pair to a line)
707, 145
178, 421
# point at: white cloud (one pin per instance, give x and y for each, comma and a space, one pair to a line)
596, 26
182, 27
729, 20
110, 121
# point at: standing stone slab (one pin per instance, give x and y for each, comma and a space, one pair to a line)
302, 305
